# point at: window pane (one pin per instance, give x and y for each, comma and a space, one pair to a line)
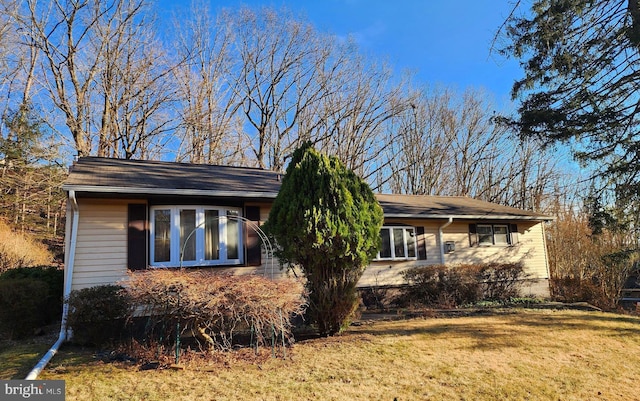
187, 233
162, 235
233, 232
398, 242
385, 250
211, 235
411, 243
485, 234
501, 235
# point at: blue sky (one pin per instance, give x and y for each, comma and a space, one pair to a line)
443, 42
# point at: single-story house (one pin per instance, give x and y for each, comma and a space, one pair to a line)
131, 215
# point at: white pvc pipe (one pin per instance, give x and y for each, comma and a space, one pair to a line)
68, 278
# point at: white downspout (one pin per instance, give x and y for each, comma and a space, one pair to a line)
442, 227
68, 279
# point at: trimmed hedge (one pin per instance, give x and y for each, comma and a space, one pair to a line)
30, 297
23, 305
98, 314
52, 277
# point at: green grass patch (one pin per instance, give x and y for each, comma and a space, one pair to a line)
17, 360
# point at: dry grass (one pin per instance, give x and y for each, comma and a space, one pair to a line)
21, 250
528, 355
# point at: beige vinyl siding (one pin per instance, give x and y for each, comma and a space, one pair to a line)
101, 252
265, 269
270, 266
101, 247
389, 272
530, 251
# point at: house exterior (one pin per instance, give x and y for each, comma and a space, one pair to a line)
132, 215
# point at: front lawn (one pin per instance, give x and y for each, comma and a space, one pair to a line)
514, 355
17, 358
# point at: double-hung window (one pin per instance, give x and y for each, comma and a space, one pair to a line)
195, 236
398, 243
493, 234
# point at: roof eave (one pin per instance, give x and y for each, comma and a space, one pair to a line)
272, 195
168, 191
466, 217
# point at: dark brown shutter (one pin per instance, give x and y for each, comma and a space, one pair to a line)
513, 233
137, 234
254, 253
473, 235
422, 244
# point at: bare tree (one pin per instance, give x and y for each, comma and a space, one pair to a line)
446, 145
474, 140
97, 62
60, 30
531, 173
210, 129
18, 60
450, 144
8, 49
420, 156
135, 86
280, 60
361, 103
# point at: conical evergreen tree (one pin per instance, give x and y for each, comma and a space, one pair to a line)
326, 221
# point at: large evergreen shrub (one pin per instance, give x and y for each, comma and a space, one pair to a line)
22, 306
326, 221
30, 297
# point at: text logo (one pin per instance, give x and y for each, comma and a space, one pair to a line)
39, 390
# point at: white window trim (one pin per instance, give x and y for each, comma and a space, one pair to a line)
493, 234
405, 236
198, 235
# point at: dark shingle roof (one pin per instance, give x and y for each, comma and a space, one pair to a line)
417, 206
103, 176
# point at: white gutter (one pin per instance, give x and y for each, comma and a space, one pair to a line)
442, 227
168, 191
546, 253
68, 278
468, 216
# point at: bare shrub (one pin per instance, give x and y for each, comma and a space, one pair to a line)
452, 286
374, 297
590, 257
442, 286
501, 281
214, 307
574, 289
20, 250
